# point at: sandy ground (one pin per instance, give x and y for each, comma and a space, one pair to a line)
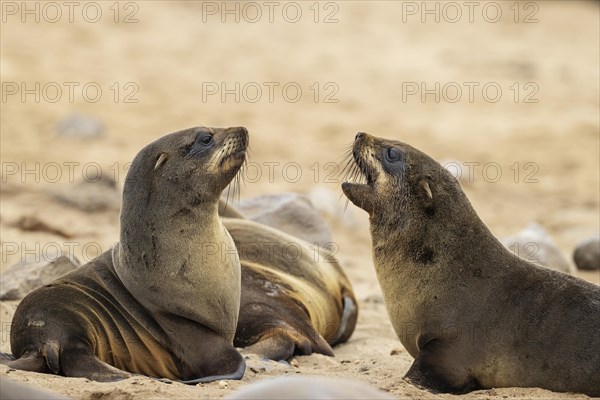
535, 146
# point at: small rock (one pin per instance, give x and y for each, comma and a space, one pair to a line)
374, 299
78, 125
336, 206
289, 212
309, 387
99, 193
258, 370
363, 368
534, 244
294, 363
587, 254
31, 223
22, 278
395, 352
223, 384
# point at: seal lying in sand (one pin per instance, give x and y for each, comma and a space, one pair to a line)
295, 299
471, 313
157, 304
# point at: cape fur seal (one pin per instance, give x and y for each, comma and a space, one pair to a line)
157, 304
471, 313
295, 299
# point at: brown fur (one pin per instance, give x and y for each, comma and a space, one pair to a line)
155, 304
295, 299
472, 314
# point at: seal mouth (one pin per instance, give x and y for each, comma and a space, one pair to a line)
364, 169
357, 170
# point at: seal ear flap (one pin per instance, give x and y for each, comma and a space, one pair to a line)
425, 186
161, 160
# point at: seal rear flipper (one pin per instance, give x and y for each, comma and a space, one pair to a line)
348, 320
274, 348
284, 343
79, 364
31, 361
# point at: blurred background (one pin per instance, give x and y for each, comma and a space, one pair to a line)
506, 92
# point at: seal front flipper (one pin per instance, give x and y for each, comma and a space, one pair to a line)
435, 369
204, 356
216, 360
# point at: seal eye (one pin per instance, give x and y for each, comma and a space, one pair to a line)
393, 154
205, 139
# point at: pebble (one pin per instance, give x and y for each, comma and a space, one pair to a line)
534, 244
78, 125
22, 278
587, 255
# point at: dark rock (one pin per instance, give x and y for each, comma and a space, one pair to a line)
587, 255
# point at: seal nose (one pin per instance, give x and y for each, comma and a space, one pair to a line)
241, 133
360, 135
240, 129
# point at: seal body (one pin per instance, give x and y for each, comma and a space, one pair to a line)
471, 313
295, 298
158, 303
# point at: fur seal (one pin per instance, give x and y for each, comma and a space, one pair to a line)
157, 304
471, 313
295, 298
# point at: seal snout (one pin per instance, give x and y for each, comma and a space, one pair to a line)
362, 152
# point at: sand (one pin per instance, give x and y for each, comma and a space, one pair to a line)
534, 149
